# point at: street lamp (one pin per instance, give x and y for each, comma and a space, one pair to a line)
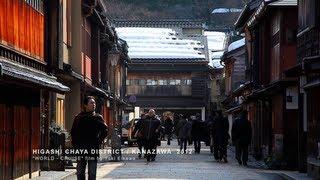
114, 56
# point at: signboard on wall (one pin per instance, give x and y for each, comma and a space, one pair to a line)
292, 97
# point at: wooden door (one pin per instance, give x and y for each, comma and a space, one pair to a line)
6, 142
19, 131
22, 137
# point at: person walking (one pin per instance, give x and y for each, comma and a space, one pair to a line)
137, 134
184, 128
168, 125
87, 133
150, 128
220, 137
241, 137
196, 133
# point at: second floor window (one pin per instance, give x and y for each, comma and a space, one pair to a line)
159, 82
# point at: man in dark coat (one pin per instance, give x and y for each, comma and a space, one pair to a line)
137, 134
150, 128
220, 137
88, 132
168, 125
241, 137
196, 133
184, 128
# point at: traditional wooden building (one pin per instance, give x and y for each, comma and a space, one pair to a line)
307, 71
169, 69
81, 40
26, 82
216, 89
176, 85
234, 59
273, 102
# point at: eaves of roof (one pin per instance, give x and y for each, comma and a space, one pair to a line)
169, 60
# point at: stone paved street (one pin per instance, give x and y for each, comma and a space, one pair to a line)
177, 166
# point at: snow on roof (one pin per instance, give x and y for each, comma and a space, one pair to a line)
236, 44
215, 59
215, 40
284, 3
22, 72
225, 10
216, 46
159, 43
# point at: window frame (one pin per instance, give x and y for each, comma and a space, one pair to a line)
60, 111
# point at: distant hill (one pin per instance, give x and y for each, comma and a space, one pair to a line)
172, 9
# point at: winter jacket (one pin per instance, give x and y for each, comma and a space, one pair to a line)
150, 128
168, 125
88, 131
197, 130
221, 130
241, 131
184, 129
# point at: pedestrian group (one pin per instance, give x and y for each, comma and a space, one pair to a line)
89, 131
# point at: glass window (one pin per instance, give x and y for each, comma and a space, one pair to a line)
154, 82
149, 82
161, 82
142, 82
178, 82
189, 82
128, 82
135, 82
183, 82
172, 82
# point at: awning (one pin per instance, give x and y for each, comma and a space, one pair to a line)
273, 88
313, 84
21, 72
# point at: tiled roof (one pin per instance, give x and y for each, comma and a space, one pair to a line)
169, 60
160, 23
161, 43
246, 11
29, 74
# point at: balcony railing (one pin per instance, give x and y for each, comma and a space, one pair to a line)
21, 58
308, 44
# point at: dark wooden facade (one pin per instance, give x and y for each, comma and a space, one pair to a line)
25, 85
80, 57
235, 62
20, 131
171, 85
22, 27
272, 103
307, 68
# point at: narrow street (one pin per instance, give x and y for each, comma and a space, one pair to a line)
79, 75
177, 166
